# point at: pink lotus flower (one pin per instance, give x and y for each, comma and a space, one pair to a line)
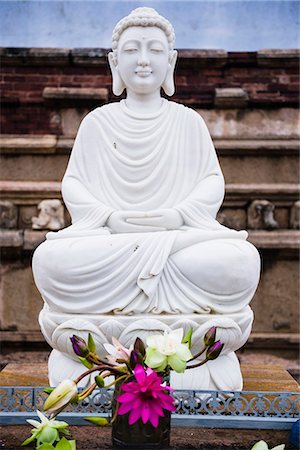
117, 351
145, 398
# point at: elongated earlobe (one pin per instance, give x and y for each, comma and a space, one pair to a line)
118, 85
168, 85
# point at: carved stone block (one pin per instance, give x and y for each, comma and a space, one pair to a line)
26, 212
261, 215
295, 216
232, 218
8, 215
51, 216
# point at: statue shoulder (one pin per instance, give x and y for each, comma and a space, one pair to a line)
190, 113
98, 113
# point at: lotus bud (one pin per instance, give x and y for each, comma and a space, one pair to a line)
210, 337
214, 350
134, 359
100, 421
79, 346
99, 381
139, 346
65, 392
91, 343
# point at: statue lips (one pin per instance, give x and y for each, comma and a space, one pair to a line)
143, 72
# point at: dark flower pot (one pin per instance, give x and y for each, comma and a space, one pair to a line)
139, 435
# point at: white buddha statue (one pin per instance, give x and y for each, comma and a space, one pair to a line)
144, 252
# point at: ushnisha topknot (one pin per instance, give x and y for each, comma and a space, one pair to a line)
144, 17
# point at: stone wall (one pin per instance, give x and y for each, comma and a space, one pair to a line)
250, 104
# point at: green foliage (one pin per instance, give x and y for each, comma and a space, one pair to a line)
85, 362
100, 421
91, 344
63, 444
187, 339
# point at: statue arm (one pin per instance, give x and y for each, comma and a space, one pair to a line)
200, 208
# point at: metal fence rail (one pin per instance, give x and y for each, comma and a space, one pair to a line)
218, 409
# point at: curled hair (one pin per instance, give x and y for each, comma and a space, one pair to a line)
142, 17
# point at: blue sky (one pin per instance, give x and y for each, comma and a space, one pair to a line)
244, 25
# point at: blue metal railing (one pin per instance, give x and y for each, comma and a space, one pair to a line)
218, 409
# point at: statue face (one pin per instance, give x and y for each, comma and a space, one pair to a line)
143, 58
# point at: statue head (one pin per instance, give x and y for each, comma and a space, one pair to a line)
143, 42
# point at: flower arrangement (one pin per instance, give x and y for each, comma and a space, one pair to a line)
140, 378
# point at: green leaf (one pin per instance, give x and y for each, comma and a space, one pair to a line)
85, 362
72, 444
100, 421
30, 439
48, 390
187, 339
91, 343
64, 444
261, 445
279, 447
45, 447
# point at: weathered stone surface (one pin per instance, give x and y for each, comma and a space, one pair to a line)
233, 218
20, 302
70, 121
89, 56
231, 98
33, 238
278, 57
260, 215
25, 215
8, 214
27, 144
51, 216
34, 167
28, 190
211, 58
295, 216
65, 93
281, 123
11, 238
279, 239
276, 302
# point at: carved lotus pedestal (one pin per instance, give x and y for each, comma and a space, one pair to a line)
221, 374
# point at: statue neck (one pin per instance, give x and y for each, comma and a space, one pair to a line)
141, 103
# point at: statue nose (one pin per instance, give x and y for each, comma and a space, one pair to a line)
143, 59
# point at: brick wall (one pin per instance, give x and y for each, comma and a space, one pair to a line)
269, 78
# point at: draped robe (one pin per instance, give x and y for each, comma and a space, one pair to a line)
144, 162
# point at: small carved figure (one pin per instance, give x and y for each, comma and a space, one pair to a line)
51, 216
295, 216
261, 215
8, 215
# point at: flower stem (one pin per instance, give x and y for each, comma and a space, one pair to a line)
198, 364
87, 392
100, 368
197, 355
116, 381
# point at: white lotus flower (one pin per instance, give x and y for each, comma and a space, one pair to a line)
167, 349
63, 394
45, 431
117, 351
